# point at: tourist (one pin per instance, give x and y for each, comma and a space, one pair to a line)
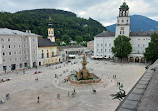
7, 96
74, 90
58, 95
23, 71
38, 99
2, 100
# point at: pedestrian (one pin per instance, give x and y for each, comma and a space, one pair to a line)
2, 100
68, 94
23, 71
58, 95
74, 90
38, 99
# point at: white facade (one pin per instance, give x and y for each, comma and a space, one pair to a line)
18, 50
102, 46
104, 41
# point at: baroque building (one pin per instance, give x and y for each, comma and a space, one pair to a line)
47, 48
104, 41
18, 49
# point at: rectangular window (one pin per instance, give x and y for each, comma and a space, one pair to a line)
8, 39
97, 44
9, 53
4, 68
138, 45
2, 39
101, 50
3, 60
97, 50
105, 50
3, 54
109, 45
101, 44
143, 45
3, 46
105, 45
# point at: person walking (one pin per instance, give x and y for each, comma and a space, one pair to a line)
38, 99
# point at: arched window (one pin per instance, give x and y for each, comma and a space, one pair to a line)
42, 55
47, 54
52, 54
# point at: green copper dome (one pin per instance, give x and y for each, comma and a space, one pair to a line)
124, 6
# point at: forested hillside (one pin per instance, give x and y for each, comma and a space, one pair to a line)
64, 22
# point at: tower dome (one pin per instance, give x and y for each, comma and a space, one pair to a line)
124, 6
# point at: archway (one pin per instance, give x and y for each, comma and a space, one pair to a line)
131, 59
137, 59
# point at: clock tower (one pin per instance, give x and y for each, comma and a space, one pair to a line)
51, 31
123, 21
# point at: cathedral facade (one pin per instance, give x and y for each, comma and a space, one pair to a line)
104, 41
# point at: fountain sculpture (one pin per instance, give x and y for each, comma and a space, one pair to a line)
83, 76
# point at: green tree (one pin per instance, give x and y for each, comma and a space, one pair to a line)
151, 53
79, 39
122, 47
66, 38
57, 41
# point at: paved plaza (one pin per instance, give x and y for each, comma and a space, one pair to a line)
24, 90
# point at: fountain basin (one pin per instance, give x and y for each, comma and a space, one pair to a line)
73, 79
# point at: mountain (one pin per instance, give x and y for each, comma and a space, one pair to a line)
139, 23
64, 22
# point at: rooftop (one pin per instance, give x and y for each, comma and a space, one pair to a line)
44, 42
143, 96
14, 32
70, 46
132, 34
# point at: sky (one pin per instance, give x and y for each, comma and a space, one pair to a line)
104, 11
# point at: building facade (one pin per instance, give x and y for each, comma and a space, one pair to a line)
47, 48
18, 49
104, 41
90, 45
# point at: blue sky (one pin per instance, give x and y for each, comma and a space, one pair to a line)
104, 11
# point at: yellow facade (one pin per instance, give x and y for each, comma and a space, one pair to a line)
48, 60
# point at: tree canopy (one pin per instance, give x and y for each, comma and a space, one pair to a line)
64, 22
58, 41
151, 53
79, 39
66, 38
122, 46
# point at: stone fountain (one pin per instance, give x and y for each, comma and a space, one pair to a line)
83, 76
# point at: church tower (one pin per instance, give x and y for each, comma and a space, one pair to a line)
123, 21
51, 31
